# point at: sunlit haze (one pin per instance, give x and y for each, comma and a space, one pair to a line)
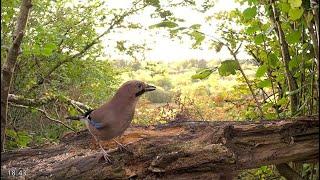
163, 48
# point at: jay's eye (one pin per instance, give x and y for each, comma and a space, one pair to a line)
139, 86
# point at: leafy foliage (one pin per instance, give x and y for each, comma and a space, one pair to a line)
166, 23
228, 67
250, 13
261, 71
18, 139
260, 27
202, 74
199, 37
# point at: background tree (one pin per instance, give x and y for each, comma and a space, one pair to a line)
8, 67
284, 48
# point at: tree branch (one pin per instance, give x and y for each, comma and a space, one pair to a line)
45, 114
114, 22
234, 54
292, 83
20, 100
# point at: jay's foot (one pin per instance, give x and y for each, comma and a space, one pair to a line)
107, 157
123, 148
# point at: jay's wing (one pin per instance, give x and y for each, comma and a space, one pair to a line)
93, 122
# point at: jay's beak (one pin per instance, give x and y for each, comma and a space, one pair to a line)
146, 89
149, 88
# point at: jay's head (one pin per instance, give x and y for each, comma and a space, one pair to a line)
135, 88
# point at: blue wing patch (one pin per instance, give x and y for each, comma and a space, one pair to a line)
95, 124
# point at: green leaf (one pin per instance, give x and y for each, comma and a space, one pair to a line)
217, 46
72, 111
273, 60
282, 101
33, 111
264, 83
284, 6
228, 67
294, 62
263, 168
252, 29
19, 138
309, 17
134, 26
269, 30
195, 26
202, 74
23, 138
174, 32
280, 77
166, 23
11, 133
250, 13
165, 14
120, 46
155, 3
295, 13
263, 55
48, 48
295, 3
270, 116
294, 37
199, 37
258, 39
253, 2
261, 70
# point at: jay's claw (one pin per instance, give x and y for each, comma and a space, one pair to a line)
123, 148
107, 157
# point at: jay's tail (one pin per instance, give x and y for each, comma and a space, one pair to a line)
78, 118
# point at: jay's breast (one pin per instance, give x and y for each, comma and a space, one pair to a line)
114, 128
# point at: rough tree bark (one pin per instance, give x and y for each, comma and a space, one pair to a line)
9, 65
285, 53
179, 150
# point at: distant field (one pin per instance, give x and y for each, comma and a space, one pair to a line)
197, 99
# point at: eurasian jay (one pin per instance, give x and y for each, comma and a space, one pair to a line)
114, 117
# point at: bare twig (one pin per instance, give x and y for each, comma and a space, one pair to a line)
246, 79
45, 114
45, 100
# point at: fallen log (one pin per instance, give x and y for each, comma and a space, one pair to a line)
183, 150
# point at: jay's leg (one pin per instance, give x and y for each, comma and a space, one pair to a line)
106, 156
122, 147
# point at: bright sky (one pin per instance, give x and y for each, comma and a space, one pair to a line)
162, 47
